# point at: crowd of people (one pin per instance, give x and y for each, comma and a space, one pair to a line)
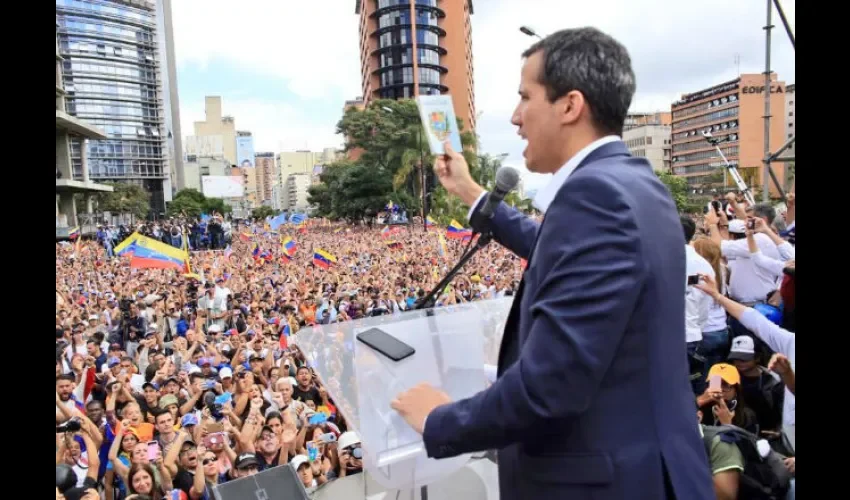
213, 232
182, 381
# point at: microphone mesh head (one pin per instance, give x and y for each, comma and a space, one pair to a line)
507, 178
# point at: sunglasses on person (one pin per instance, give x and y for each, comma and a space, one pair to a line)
208, 461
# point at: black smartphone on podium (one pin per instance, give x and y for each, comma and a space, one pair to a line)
386, 344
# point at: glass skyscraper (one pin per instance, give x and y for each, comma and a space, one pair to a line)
113, 68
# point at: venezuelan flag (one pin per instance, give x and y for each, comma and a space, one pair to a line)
74, 234
456, 231
128, 245
285, 257
256, 251
149, 253
429, 222
395, 245
443, 248
323, 259
246, 237
289, 246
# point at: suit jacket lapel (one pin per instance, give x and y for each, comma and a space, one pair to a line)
511, 333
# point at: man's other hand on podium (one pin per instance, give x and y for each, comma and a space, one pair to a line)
416, 403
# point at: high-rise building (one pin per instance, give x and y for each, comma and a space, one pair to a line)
218, 125
734, 113
249, 180
418, 47
295, 192
302, 162
116, 59
790, 91
647, 135
267, 178
69, 129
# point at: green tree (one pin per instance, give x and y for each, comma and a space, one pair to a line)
125, 199
193, 203
190, 202
678, 188
390, 137
216, 205
264, 211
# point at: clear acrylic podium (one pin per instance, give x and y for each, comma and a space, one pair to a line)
452, 345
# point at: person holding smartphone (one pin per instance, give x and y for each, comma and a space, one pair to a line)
722, 403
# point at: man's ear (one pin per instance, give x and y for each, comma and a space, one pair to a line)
571, 106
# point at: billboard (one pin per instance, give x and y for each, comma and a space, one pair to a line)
207, 146
222, 186
245, 151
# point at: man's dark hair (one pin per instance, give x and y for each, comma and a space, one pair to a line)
301, 368
158, 413
67, 376
593, 63
98, 337
765, 211
689, 226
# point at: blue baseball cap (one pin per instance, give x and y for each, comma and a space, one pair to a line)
189, 419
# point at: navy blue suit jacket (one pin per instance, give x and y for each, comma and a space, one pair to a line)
592, 398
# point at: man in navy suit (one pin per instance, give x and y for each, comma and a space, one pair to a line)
592, 398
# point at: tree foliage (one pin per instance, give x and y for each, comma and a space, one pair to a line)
393, 145
125, 199
678, 188
263, 211
193, 203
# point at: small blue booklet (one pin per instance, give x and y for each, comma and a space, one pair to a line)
438, 119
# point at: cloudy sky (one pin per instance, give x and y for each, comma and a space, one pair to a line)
285, 68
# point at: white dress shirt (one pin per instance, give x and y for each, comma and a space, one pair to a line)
697, 302
749, 283
545, 196
783, 342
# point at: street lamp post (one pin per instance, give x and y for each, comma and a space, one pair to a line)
530, 32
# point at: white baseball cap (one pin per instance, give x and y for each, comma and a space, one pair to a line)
298, 460
347, 439
225, 373
737, 226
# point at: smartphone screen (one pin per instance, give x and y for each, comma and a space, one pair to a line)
714, 383
693, 279
153, 450
386, 344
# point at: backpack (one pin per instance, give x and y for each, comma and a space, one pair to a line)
762, 478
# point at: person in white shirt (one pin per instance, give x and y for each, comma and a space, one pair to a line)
715, 331
778, 339
697, 305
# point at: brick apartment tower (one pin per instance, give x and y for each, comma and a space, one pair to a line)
442, 46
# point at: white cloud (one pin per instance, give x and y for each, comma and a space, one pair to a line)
312, 48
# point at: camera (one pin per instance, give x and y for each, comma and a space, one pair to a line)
124, 306
72, 425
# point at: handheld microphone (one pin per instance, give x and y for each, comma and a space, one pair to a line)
507, 179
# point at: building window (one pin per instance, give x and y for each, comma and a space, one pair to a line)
649, 141
790, 113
